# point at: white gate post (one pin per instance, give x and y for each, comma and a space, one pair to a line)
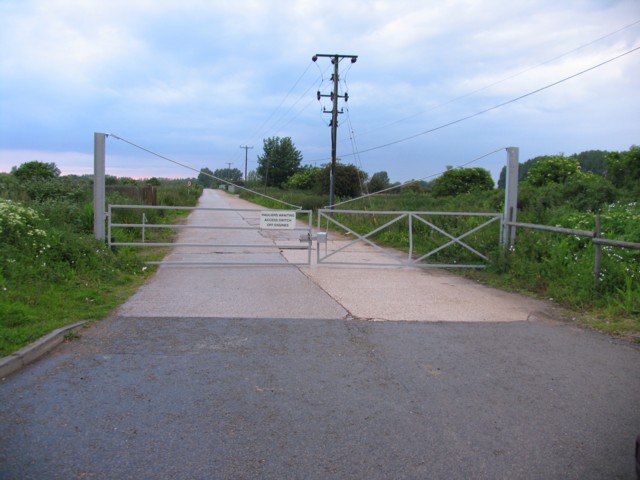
98, 184
510, 197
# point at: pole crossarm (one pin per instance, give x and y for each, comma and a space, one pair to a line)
246, 157
334, 96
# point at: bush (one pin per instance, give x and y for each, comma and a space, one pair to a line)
306, 179
462, 180
36, 171
553, 169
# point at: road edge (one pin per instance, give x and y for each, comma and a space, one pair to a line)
32, 352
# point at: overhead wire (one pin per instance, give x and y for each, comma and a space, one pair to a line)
259, 129
352, 134
522, 72
278, 124
409, 182
200, 171
500, 105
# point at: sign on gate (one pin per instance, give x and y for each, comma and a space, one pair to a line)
222, 240
277, 220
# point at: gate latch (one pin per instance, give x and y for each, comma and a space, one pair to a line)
320, 237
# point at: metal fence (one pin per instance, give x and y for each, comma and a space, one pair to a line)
595, 236
341, 248
264, 246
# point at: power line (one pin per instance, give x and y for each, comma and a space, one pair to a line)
495, 107
419, 179
201, 172
335, 59
522, 72
280, 123
280, 104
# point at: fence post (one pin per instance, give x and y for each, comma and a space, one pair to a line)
597, 264
98, 184
510, 197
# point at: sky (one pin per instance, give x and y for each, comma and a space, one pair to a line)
435, 84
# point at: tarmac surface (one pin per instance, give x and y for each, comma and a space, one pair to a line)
321, 372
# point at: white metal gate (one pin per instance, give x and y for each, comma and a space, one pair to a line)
219, 236
340, 244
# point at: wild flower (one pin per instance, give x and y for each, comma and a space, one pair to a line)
19, 225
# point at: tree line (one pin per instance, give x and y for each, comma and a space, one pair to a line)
595, 172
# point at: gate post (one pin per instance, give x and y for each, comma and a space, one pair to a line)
98, 184
510, 197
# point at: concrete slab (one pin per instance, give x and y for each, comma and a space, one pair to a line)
230, 291
423, 295
316, 291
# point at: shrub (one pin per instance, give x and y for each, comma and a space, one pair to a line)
36, 171
462, 180
553, 169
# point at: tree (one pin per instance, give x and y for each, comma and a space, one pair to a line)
205, 177
594, 161
623, 168
462, 180
379, 181
36, 170
590, 161
280, 160
230, 174
347, 180
553, 169
308, 178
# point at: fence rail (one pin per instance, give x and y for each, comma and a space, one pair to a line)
412, 218
253, 252
596, 239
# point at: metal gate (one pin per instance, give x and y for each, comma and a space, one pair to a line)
341, 244
217, 236
249, 237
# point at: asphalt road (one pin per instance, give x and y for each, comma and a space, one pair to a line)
233, 394
203, 398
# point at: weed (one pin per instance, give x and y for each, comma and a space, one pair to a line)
71, 335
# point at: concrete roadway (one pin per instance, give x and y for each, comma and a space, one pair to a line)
320, 372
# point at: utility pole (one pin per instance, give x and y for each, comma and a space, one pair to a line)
229, 163
246, 151
335, 59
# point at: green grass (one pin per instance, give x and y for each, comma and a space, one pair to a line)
542, 264
28, 313
53, 272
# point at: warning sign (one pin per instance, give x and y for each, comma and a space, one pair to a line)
278, 220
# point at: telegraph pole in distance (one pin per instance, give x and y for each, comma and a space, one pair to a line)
246, 151
335, 59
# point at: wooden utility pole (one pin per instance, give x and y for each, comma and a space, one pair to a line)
246, 151
335, 59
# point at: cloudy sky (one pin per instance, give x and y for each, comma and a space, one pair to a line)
194, 80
